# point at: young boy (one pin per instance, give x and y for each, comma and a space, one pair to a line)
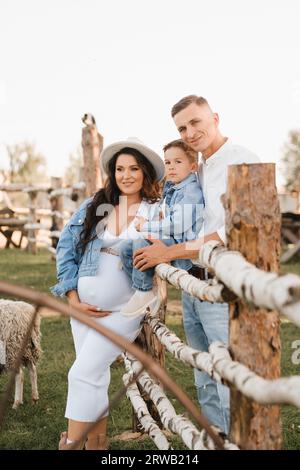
182, 205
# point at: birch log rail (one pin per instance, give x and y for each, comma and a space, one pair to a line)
210, 290
147, 422
149, 343
218, 364
264, 391
201, 360
177, 424
268, 290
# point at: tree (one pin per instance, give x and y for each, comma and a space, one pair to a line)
291, 161
26, 164
72, 172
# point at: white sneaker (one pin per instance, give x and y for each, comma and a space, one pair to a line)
139, 302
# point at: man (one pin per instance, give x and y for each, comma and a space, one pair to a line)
203, 322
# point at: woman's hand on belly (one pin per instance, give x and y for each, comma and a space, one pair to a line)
90, 310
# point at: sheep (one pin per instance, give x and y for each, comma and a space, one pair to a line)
15, 317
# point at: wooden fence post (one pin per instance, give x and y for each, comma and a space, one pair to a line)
151, 344
81, 195
92, 144
253, 228
32, 219
57, 204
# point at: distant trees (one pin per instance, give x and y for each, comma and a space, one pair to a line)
72, 172
26, 164
291, 161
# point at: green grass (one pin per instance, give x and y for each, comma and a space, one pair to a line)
292, 267
38, 426
19, 267
290, 414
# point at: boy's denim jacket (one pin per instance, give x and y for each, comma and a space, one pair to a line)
184, 205
70, 263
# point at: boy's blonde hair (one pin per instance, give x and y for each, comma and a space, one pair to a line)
191, 154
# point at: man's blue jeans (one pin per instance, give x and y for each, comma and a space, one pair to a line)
143, 280
204, 323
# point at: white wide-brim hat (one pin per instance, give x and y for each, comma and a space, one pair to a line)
132, 142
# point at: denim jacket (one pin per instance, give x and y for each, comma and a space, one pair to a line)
184, 204
70, 263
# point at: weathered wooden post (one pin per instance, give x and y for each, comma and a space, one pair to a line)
57, 204
92, 144
148, 341
80, 192
253, 228
32, 221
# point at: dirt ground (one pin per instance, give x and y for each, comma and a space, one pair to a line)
47, 312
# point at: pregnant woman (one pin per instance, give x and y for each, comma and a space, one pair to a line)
90, 275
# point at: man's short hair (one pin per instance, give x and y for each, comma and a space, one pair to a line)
191, 154
186, 101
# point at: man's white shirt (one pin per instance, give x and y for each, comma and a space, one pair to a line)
213, 179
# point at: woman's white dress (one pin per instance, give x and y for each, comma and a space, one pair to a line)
110, 289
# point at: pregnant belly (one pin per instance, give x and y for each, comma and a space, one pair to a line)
110, 288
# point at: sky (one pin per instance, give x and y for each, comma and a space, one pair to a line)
129, 61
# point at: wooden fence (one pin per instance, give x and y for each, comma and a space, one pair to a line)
27, 220
246, 276
92, 180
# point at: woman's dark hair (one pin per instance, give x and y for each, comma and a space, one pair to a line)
110, 193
